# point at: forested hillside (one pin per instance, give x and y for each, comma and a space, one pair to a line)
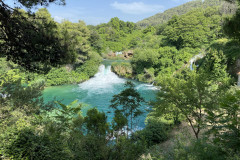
163, 50
162, 18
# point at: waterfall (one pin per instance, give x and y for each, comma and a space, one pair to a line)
238, 82
106, 81
194, 59
103, 81
3, 95
191, 63
99, 91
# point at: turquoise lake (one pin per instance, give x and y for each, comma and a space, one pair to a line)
98, 92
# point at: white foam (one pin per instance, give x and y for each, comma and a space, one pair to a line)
102, 82
146, 87
194, 59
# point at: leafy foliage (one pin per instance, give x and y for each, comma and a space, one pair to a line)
231, 26
225, 121
123, 69
194, 29
96, 123
34, 130
29, 145
128, 103
198, 149
161, 18
30, 41
155, 132
193, 93
152, 64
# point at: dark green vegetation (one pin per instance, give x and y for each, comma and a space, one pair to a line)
115, 35
165, 49
62, 53
123, 69
164, 17
41, 37
46, 51
33, 130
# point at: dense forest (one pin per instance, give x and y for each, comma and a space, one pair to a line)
162, 18
37, 52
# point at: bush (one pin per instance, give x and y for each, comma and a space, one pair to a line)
58, 76
197, 150
92, 147
128, 149
26, 144
78, 77
90, 67
155, 132
147, 76
123, 69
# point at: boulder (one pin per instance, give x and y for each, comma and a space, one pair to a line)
128, 54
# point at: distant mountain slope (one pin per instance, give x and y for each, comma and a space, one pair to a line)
161, 18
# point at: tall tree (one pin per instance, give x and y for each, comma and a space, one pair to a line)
194, 93
232, 24
128, 102
96, 123
74, 37
225, 120
30, 40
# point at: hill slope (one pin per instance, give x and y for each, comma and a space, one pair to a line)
161, 18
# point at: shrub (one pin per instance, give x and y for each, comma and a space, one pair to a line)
123, 69
197, 150
155, 132
90, 67
128, 149
58, 76
26, 144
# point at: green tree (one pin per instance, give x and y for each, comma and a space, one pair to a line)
69, 117
96, 123
74, 36
28, 144
128, 149
128, 102
183, 96
96, 41
16, 94
193, 93
194, 29
144, 59
115, 23
225, 120
149, 29
118, 123
232, 24
30, 40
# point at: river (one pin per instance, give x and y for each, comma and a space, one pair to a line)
98, 92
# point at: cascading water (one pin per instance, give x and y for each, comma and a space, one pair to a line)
98, 92
103, 82
194, 59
